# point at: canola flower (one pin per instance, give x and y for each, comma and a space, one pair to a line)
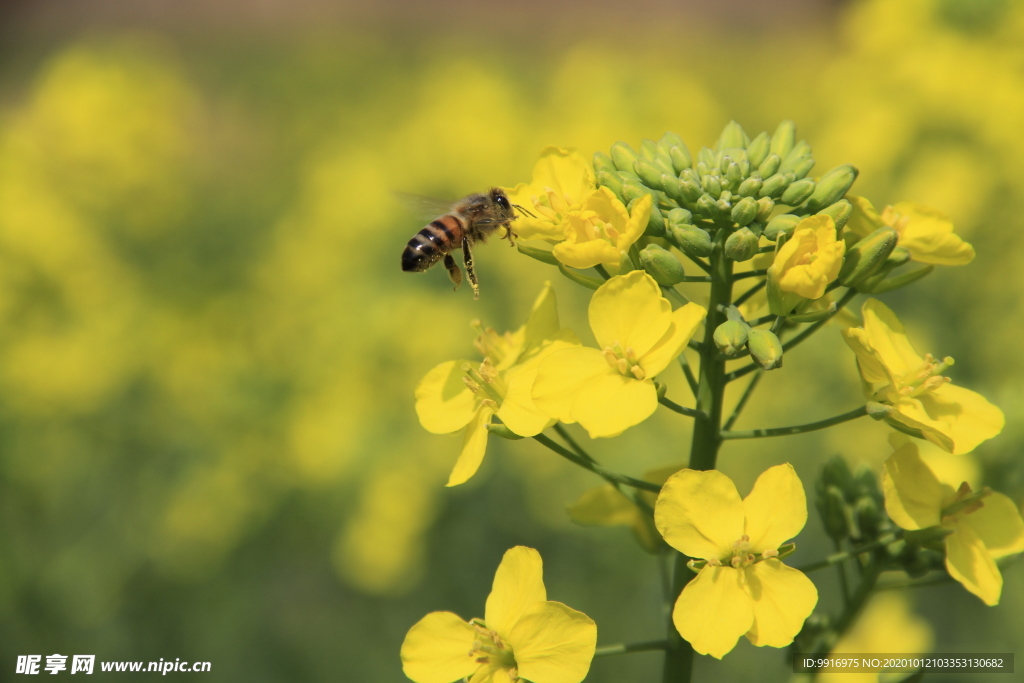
925, 233
523, 635
742, 587
922, 400
459, 395
805, 265
979, 527
588, 224
611, 389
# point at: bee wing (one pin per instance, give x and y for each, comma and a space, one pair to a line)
423, 207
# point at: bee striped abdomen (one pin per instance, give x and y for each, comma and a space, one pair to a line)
431, 243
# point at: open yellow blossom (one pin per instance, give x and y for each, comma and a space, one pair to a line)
885, 625
982, 526
460, 395
805, 265
742, 587
924, 402
639, 334
602, 230
523, 635
924, 232
562, 181
608, 506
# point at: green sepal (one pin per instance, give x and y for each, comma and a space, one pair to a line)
579, 278
831, 187
504, 432
839, 211
863, 259
782, 224
542, 255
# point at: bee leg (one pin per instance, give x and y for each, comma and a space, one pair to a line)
510, 234
467, 257
454, 272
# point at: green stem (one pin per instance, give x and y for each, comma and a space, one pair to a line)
749, 293
567, 437
836, 558
750, 273
860, 411
624, 648
743, 401
690, 379
682, 410
706, 440
844, 584
613, 478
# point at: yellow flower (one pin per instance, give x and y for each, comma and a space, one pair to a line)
924, 232
639, 334
607, 506
743, 587
523, 635
562, 182
590, 224
951, 417
459, 395
805, 265
886, 625
982, 526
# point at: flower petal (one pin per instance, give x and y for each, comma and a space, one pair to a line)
969, 418
518, 410
436, 649
639, 217
929, 236
714, 610
998, 524
864, 219
444, 403
969, 562
783, 599
586, 254
562, 376
553, 643
685, 321
543, 321
630, 310
776, 509
603, 506
913, 495
474, 444
614, 403
518, 586
888, 338
700, 514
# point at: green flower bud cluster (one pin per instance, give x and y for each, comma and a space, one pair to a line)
748, 187
851, 504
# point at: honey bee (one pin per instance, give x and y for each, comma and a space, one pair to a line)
469, 220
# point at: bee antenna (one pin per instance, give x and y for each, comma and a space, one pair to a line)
524, 211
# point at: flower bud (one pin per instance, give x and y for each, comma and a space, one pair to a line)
732, 136
668, 141
765, 348
749, 187
731, 336
774, 186
706, 157
712, 185
681, 158
757, 150
868, 516
690, 239
783, 139
801, 169
610, 180
840, 212
836, 472
800, 151
655, 224
673, 187
661, 265
812, 315
724, 205
832, 508
897, 258
864, 258
744, 211
769, 166
690, 190
781, 225
741, 245
797, 192
733, 175
703, 168
765, 206
865, 482
623, 156
679, 217
632, 189
603, 162
832, 186
707, 207
648, 173
648, 149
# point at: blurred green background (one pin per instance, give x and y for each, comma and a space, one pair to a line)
208, 448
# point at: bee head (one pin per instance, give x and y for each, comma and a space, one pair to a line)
499, 197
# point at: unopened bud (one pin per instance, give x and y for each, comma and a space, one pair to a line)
865, 257
661, 265
733, 175
655, 224
649, 174
781, 225
757, 150
836, 472
623, 156
668, 141
679, 217
783, 139
673, 187
865, 481
712, 184
741, 245
839, 211
732, 136
749, 187
731, 336
832, 508
832, 186
603, 162
796, 156
648, 149
765, 348
765, 206
773, 187
797, 192
706, 156
680, 156
868, 516
691, 191
690, 239
633, 189
897, 258
706, 206
610, 180
769, 166
744, 211
801, 169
